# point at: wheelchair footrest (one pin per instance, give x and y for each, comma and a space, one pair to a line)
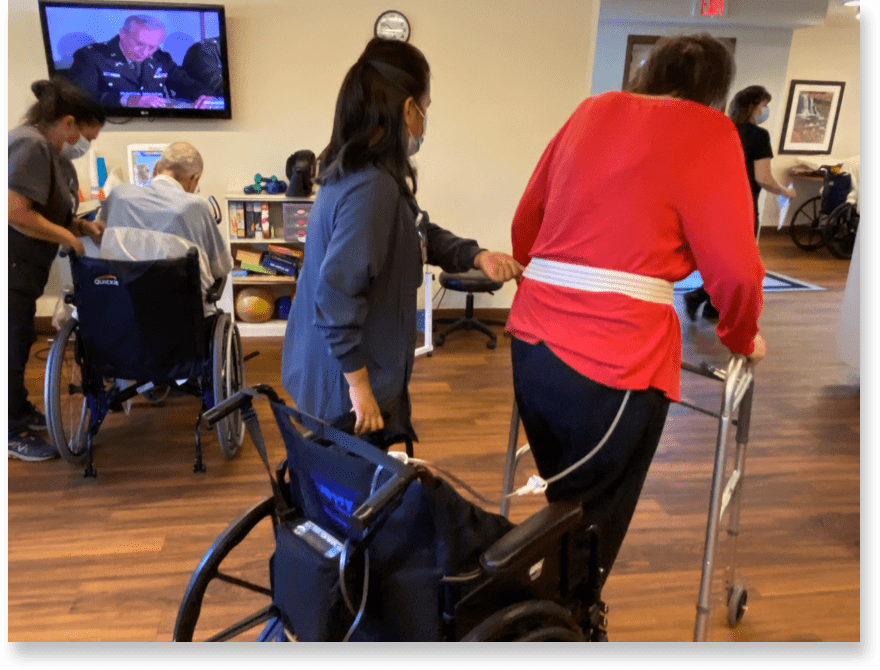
540, 528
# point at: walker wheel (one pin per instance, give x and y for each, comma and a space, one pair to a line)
737, 605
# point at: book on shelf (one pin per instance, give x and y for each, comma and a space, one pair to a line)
249, 219
233, 219
261, 269
247, 256
285, 251
238, 272
257, 215
239, 207
264, 220
282, 264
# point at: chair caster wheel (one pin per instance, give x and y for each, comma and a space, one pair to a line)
491, 344
737, 604
439, 340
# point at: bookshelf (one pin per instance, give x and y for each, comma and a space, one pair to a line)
293, 238
281, 285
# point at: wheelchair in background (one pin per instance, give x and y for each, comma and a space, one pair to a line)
370, 547
138, 325
827, 219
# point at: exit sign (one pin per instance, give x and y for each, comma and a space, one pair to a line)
710, 8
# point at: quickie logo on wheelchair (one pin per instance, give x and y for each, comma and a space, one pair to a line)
106, 280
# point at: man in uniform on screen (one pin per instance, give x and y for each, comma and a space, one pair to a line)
131, 70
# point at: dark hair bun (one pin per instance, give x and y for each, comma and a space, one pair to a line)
42, 88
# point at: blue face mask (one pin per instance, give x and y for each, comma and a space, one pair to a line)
763, 116
416, 143
74, 151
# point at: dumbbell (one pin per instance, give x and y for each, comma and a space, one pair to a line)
273, 184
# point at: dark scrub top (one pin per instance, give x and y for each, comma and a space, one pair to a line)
756, 146
49, 180
355, 300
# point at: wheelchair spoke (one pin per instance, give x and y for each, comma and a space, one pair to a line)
244, 625
243, 584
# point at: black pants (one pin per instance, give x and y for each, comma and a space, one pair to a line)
565, 415
28, 272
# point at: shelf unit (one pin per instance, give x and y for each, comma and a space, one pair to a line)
279, 285
282, 285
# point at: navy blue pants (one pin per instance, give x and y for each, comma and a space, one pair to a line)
565, 415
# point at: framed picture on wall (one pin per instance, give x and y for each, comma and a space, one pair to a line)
638, 47
811, 117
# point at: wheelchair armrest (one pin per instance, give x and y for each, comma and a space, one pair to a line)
216, 290
521, 542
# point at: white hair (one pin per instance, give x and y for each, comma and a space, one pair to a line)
181, 159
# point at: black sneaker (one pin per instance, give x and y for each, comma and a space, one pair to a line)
26, 446
37, 420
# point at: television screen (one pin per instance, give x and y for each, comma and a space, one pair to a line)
142, 58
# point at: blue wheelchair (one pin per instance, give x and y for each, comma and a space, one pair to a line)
138, 326
371, 547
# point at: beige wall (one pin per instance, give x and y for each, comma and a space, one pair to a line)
831, 54
505, 76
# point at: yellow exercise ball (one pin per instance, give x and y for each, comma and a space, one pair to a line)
254, 305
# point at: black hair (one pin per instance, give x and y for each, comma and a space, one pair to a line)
692, 67
57, 98
743, 104
371, 99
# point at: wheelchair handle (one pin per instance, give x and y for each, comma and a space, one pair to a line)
241, 398
66, 251
379, 502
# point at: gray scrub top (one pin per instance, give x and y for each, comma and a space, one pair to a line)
356, 297
49, 181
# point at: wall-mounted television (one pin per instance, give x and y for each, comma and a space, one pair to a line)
142, 59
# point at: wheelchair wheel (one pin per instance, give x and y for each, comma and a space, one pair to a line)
209, 570
839, 231
806, 225
531, 621
228, 373
67, 412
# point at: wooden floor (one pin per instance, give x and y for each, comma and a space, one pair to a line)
108, 559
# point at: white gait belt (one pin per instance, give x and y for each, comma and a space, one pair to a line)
600, 280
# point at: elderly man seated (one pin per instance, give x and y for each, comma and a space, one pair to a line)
165, 218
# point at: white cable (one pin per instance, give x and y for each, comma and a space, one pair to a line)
536, 484
404, 458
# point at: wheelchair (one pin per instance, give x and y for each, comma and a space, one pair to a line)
371, 547
809, 221
140, 321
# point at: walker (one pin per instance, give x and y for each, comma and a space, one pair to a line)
738, 380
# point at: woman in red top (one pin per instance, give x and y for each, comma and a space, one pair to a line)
636, 191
